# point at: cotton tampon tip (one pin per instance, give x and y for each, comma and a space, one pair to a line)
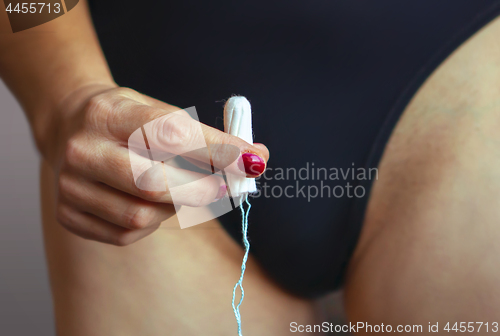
238, 122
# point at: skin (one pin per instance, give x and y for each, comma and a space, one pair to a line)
428, 248
81, 121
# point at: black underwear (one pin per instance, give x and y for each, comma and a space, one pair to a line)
327, 80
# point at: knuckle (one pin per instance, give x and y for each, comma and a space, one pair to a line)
152, 184
175, 131
95, 106
94, 103
100, 102
74, 152
140, 218
82, 153
99, 111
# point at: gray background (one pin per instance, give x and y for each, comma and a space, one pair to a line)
25, 306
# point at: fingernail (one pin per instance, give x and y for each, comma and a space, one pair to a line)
222, 192
254, 164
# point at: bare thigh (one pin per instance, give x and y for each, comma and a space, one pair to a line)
430, 246
174, 282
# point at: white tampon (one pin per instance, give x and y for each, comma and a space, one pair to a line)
238, 122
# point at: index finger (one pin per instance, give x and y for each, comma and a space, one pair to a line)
170, 131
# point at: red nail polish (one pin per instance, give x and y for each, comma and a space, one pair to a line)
222, 192
254, 165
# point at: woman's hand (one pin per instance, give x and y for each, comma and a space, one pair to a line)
82, 122
87, 144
